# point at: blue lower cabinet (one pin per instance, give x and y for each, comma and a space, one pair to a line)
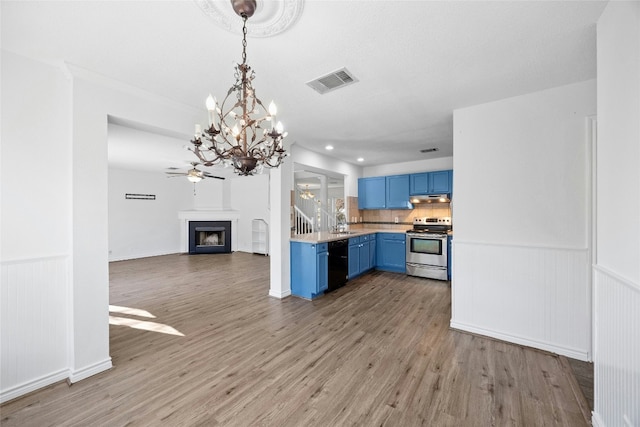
309, 269
372, 251
391, 252
360, 254
354, 257
364, 256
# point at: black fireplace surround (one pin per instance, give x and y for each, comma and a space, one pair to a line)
209, 237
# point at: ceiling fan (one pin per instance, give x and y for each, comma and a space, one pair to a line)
194, 175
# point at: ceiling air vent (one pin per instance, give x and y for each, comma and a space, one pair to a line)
332, 81
429, 150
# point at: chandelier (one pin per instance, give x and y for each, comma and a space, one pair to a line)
241, 132
306, 194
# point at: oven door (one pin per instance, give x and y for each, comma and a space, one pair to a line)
427, 249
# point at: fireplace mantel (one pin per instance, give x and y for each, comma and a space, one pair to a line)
207, 215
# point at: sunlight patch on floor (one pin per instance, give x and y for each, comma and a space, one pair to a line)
130, 311
144, 325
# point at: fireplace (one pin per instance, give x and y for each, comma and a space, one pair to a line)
209, 237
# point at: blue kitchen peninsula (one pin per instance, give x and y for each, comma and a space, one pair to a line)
380, 249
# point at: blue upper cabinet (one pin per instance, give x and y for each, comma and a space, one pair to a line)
419, 183
392, 192
439, 182
431, 183
372, 193
397, 194
384, 192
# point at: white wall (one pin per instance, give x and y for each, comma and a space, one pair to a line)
35, 209
521, 258
617, 271
66, 145
142, 228
416, 166
351, 172
250, 198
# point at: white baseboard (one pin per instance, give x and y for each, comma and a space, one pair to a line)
280, 295
86, 372
568, 352
140, 255
33, 385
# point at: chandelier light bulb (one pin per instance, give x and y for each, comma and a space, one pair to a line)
279, 127
273, 110
235, 131
211, 103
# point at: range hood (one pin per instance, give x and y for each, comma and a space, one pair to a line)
429, 198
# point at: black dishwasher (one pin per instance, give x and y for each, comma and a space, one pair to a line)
338, 263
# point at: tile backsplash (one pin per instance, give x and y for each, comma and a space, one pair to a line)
385, 218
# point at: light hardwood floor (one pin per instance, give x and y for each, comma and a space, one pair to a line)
377, 352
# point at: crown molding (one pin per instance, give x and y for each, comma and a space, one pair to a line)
91, 76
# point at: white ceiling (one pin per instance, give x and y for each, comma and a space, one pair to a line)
416, 61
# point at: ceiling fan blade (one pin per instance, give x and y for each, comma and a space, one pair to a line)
174, 174
208, 175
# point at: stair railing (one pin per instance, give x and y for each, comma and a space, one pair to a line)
302, 224
310, 216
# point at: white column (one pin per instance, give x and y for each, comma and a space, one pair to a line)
89, 293
280, 185
323, 200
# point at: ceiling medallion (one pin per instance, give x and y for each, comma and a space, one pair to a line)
270, 18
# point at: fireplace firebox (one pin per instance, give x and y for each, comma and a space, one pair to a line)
209, 237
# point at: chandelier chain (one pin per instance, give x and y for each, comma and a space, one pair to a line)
244, 38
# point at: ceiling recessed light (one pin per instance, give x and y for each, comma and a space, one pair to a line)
360, 159
329, 147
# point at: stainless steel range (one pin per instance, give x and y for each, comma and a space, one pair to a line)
427, 247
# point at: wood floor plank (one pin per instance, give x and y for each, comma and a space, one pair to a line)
378, 351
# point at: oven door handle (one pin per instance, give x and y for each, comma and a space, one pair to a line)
429, 266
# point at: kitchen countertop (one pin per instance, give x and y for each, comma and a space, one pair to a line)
325, 236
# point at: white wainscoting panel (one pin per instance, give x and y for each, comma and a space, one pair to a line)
617, 350
33, 324
534, 296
